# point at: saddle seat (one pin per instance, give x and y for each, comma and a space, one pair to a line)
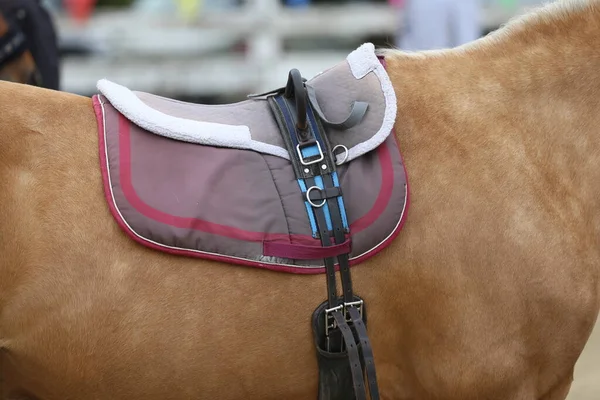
216, 181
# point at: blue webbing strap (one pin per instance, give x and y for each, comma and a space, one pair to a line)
340, 200
309, 209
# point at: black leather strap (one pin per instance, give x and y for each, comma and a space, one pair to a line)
323, 194
335, 375
332, 297
353, 356
295, 89
338, 325
339, 236
349, 342
367, 359
366, 351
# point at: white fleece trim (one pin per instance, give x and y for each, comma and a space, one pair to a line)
187, 130
362, 61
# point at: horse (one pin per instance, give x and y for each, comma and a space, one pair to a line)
21, 66
28, 44
490, 291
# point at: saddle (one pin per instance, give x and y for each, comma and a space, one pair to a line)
306, 178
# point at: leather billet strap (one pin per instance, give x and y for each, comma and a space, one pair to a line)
353, 356
335, 375
302, 122
337, 310
366, 351
13, 43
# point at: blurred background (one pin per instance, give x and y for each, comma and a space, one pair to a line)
220, 50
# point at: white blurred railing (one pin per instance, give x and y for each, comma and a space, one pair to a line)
161, 54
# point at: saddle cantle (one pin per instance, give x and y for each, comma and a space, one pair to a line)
300, 179
215, 181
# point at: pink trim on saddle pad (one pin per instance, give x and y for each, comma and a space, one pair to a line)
303, 252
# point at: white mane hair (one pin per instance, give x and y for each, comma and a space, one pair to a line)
549, 11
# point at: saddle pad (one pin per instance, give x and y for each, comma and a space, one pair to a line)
238, 203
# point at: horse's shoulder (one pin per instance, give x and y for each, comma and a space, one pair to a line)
28, 112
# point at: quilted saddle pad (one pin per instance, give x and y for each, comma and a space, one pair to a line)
215, 181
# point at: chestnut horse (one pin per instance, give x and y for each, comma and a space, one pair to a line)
490, 291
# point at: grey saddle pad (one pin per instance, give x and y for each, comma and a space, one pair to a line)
215, 181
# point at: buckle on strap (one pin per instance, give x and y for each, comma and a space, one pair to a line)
301, 146
356, 304
330, 323
321, 204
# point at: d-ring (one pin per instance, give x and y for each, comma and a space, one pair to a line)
345, 154
310, 201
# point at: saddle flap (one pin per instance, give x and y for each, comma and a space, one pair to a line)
250, 124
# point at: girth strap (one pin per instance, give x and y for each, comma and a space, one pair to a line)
366, 351
336, 310
353, 356
339, 324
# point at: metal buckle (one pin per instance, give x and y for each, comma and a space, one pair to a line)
328, 317
321, 157
330, 323
310, 201
358, 304
345, 153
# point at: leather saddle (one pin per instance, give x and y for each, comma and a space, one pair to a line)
306, 178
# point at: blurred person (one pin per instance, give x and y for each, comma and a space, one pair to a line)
436, 24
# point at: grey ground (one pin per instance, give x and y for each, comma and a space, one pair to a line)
587, 372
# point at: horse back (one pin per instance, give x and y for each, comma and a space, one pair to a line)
47, 145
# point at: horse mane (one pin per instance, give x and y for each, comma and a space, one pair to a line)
560, 14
